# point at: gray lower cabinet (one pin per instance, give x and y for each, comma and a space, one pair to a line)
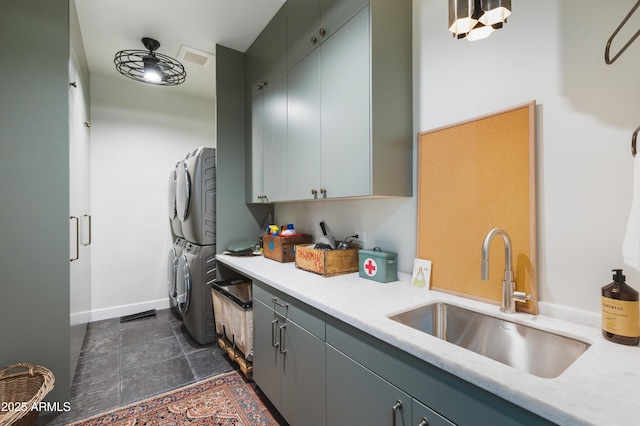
356, 395
425, 416
317, 370
289, 360
437, 391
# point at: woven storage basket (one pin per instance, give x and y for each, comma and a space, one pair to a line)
27, 385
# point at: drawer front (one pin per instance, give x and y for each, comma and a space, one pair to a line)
307, 317
425, 416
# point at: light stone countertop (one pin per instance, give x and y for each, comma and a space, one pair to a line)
599, 388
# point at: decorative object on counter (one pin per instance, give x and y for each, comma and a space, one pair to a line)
421, 273
149, 66
327, 239
288, 230
283, 248
460, 168
327, 263
242, 248
477, 19
620, 311
23, 385
233, 303
378, 265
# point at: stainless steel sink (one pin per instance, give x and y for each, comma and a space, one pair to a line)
535, 351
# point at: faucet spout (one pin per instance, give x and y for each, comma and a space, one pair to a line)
507, 252
509, 295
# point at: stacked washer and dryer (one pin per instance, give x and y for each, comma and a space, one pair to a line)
191, 264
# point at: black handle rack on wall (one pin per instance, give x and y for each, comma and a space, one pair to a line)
609, 60
607, 57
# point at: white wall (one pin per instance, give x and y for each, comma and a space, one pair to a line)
138, 133
551, 51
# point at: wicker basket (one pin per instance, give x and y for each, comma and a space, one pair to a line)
25, 387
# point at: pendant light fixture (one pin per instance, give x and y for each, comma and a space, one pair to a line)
477, 19
148, 66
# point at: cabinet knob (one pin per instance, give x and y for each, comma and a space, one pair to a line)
314, 40
323, 191
424, 422
314, 192
262, 85
322, 32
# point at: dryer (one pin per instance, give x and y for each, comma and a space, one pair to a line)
176, 224
196, 272
196, 196
172, 272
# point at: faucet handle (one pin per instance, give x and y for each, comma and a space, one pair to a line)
521, 296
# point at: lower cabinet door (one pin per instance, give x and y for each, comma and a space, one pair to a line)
303, 377
356, 396
267, 360
425, 416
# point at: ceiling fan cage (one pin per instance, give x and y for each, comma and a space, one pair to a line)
136, 63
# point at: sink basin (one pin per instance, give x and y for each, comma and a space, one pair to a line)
538, 352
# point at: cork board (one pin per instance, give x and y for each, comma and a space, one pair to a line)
474, 176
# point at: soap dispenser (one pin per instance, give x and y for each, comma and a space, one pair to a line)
620, 311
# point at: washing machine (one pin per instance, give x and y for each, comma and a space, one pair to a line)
196, 196
196, 272
174, 221
175, 252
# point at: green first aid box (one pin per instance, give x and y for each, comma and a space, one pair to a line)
378, 265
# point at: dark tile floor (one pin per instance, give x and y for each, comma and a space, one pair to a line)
122, 363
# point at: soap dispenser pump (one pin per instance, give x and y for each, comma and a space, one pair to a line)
620, 311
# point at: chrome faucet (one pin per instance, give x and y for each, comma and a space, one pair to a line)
509, 294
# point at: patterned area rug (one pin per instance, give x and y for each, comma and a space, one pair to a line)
222, 400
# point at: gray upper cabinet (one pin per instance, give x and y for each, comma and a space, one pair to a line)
345, 116
303, 132
313, 21
266, 92
349, 130
266, 58
328, 108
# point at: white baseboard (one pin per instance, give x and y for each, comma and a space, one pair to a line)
134, 308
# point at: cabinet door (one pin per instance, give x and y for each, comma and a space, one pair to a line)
425, 416
356, 396
266, 58
303, 24
303, 132
267, 360
256, 186
275, 140
303, 377
335, 13
345, 94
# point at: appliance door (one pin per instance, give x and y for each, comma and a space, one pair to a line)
183, 190
183, 285
172, 272
173, 181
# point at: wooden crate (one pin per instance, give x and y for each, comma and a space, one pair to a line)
327, 263
282, 249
